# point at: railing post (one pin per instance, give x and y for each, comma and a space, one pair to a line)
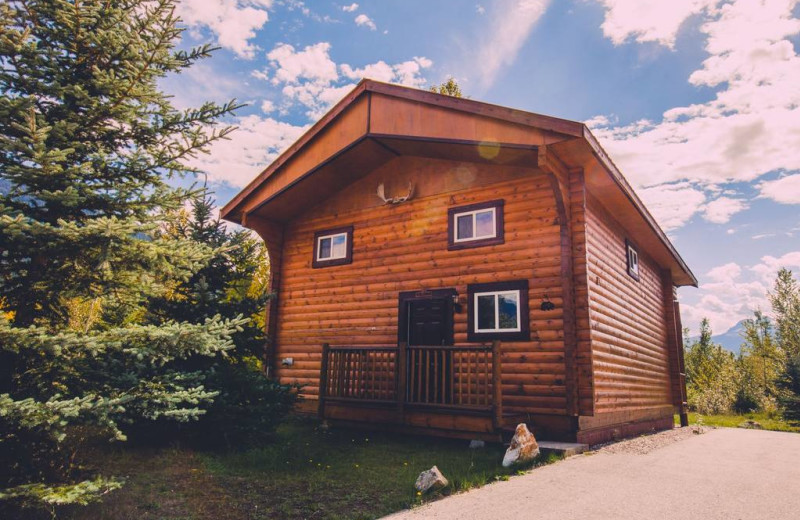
497, 387
323, 381
400, 387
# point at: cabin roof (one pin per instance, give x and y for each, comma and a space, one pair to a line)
377, 122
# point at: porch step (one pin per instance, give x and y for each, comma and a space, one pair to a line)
565, 449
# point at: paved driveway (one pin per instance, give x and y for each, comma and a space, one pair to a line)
724, 473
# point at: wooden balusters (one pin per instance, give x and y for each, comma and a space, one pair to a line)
465, 377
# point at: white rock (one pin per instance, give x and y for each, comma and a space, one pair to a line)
474, 444
430, 480
523, 447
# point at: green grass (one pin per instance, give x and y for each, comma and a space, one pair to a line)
305, 473
733, 421
353, 473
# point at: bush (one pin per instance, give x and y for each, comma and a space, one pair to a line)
246, 411
711, 401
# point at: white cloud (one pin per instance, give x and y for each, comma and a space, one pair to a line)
673, 205
480, 9
648, 20
511, 22
350, 8
730, 293
312, 63
316, 97
233, 22
748, 130
267, 106
724, 273
311, 78
405, 73
720, 210
256, 143
366, 21
785, 190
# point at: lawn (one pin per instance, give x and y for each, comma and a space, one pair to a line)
305, 473
733, 421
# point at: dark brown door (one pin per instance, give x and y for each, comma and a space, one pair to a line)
429, 325
428, 322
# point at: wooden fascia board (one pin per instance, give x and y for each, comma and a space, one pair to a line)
312, 132
627, 190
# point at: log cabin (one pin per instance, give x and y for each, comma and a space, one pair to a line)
451, 267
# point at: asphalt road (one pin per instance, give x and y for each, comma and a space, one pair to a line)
722, 474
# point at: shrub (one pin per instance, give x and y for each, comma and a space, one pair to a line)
246, 411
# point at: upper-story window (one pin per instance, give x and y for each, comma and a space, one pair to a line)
633, 260
475, 225
498, 310
333, 247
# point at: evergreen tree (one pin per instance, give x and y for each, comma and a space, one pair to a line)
88, 147
789, 386
233, 283
785, 301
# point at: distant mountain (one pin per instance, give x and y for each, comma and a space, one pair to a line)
730, 340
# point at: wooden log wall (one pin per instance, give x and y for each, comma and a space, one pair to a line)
581, 286
404, 248
628, 321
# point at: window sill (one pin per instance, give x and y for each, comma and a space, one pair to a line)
469, 244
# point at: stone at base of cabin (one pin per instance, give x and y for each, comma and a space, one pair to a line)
430, 480
474, 444
523, 447
324, 426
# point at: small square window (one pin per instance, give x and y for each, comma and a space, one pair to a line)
632, 260
475, 225
333, 247
498, 311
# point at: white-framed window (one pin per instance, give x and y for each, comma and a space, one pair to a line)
633, 260
475, 225
497, 311
332, 247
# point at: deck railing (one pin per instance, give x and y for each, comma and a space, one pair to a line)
465, 378
359, 373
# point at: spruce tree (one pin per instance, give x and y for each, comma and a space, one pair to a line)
785, 301
233, 283
89, 150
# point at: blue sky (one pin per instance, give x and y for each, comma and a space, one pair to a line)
697, 101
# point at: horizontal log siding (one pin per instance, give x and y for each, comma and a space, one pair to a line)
404, 248
628, 321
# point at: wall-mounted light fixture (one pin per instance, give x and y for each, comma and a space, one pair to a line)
456, 303
547, 305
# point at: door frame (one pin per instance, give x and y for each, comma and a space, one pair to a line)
405, 297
